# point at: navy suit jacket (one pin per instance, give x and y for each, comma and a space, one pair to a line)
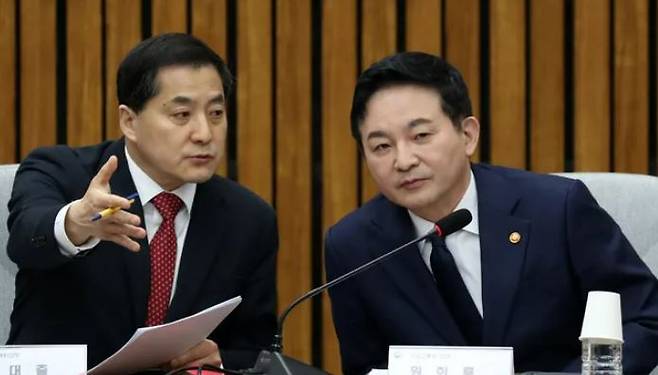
101, 299
534, 292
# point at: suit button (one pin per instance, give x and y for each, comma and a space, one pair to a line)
39, 241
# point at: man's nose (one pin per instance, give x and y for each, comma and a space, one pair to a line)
405, 158
201, 129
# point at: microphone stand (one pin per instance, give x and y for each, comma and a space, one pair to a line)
277, 345
273, 362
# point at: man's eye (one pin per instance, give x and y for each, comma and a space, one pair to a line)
181, 115
216, 113
381, 147
421, 136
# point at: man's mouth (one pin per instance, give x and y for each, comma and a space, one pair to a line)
201, 157
412, 183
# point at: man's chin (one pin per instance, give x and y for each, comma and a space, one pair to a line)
410, 200
201, 179
200, 176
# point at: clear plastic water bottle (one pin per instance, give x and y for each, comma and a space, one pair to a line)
601, 357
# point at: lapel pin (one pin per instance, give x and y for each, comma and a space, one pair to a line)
515, 237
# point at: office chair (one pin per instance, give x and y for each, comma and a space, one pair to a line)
7, 267
631, 199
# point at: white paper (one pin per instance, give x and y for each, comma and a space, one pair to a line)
442, 360
153, 346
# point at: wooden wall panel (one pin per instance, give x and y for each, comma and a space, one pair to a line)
254, 96
209, 24
38, 68
631, 59
378, 39
8, 82
84, 77
607, 62
122, 32
507, 83
462, 47
547, 85
339, 150
168, 16
591, 85
293, 168
423, 26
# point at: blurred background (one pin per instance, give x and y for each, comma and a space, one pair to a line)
559, 85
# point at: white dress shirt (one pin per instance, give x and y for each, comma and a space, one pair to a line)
464, 245
147, 189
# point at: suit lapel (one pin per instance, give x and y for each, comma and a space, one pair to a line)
502, 260
196, 258
206, 226
408, 271
137, 264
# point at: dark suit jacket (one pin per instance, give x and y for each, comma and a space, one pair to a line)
534, 292
100, 299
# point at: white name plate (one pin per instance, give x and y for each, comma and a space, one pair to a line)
450, 360
43, 359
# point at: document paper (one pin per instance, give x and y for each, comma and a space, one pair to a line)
152, 346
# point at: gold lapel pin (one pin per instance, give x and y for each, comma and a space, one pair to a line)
515, 237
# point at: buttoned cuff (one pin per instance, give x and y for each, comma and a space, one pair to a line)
66, 247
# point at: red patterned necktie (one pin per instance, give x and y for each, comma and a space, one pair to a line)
163, 257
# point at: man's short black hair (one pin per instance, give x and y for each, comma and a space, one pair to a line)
136, 78
412, 68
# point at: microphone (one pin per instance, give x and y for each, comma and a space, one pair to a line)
444, 227
452, 223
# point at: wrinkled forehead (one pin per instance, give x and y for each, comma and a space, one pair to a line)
186, 82
394, 99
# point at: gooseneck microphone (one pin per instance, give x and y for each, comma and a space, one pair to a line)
445, 226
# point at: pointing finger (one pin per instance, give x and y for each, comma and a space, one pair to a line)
107, 170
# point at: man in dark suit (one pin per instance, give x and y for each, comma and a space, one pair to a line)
190, 240
517, 275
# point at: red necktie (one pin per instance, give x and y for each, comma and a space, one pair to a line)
163, 258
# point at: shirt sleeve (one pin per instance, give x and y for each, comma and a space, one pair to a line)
66, 247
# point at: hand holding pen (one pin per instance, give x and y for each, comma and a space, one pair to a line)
114, 223
111, 210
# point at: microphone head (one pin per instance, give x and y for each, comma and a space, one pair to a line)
453, 222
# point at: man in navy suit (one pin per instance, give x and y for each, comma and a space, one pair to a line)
517, 275
190, 240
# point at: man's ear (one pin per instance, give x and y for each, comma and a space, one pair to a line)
471, 129
127, 122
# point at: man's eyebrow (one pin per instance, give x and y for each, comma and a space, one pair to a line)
376, 134
418, 121
412, 124
180, 100
218, 99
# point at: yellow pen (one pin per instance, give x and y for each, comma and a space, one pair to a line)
109, 211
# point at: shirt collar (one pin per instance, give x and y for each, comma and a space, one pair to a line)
469, 201
148, 189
